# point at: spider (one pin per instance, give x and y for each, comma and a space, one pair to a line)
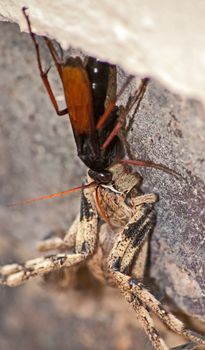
116, 218
120, 252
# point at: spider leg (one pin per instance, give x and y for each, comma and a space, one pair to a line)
146, 321
86, 238
187, 346
60, 240
168, 318
133, 236
121, 258
135, 287
53, 243
15, 274
120, 262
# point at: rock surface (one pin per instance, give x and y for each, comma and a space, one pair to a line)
164, 40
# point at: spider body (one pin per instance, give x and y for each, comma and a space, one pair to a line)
116, 205
106, 211
116, 256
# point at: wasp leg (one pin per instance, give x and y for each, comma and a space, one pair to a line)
86, 239
112, 103
44, 74
135, 99
55, 57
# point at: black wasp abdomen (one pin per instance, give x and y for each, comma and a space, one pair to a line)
98, 73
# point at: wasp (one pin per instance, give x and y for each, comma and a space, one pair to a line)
116, 218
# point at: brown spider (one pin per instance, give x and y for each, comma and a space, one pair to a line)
119, 257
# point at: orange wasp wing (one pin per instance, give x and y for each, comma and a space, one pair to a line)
78, 95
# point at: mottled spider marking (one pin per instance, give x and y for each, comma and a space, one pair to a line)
117, 254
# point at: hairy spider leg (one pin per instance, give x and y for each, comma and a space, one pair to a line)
85, 230
139, 296
120, 260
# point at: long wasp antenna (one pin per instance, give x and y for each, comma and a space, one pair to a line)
49, 196
150, 164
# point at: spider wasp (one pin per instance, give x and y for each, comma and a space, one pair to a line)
110, 197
